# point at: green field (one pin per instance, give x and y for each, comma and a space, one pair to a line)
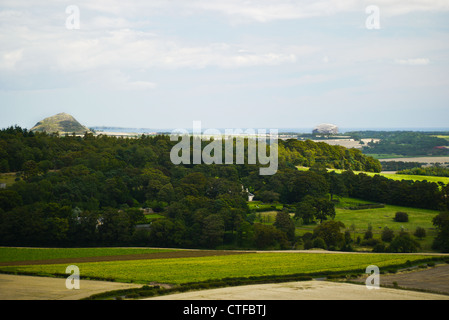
185, 270
399, 177
8, 178
26, 254
394, 176
377, 217
442, 137
385, 156
381, 217
254, 205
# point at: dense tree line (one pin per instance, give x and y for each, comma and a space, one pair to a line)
436, 171
398, 165
89, 191
407, 143
408, 193
308, 153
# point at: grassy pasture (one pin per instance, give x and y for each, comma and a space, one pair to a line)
394, 176
255, 205
400, 177
442, 137
8, 178
377, 217
185, 270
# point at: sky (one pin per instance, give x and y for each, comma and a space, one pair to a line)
229, 64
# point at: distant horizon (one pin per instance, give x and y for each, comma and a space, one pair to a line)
342, 130
237, 63
284, 129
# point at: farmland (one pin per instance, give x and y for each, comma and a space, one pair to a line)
399, 177
393, 176
27, 254
198, 269
357, 221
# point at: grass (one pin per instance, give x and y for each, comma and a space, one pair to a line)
25, 254
377, 217
385, 156
258, 205
381, 217
153, 216
395, 176
442, 137
187, 270
7, 178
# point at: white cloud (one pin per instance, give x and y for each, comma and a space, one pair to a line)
413, 62
117, 80
8, 60
401, 7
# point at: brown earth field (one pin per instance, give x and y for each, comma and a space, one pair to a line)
303, 290
145, 256
14, 287
434, 279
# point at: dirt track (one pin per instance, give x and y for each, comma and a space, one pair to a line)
305, 290
14, 287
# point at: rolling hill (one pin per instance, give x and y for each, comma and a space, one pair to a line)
62, 123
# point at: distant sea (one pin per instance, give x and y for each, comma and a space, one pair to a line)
280, 130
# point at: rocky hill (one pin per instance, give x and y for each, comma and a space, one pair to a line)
62, 123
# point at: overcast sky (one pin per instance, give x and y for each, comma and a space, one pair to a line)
229, 64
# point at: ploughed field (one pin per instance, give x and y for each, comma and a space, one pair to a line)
187, 266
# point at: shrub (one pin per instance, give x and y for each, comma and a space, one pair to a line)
308, 244
347, 248
401, 216
307, 236
319, 243
420, 233
368, 235
370, 242
387, 234
403, 243
380, 247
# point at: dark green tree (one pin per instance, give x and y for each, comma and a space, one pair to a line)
441, 241
330, 232
285, 223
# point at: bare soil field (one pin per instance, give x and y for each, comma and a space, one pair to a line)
14, 287
434, 279
304, 290
420, 159
146, 256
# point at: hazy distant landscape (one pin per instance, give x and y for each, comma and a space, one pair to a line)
101, 191
224, 150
